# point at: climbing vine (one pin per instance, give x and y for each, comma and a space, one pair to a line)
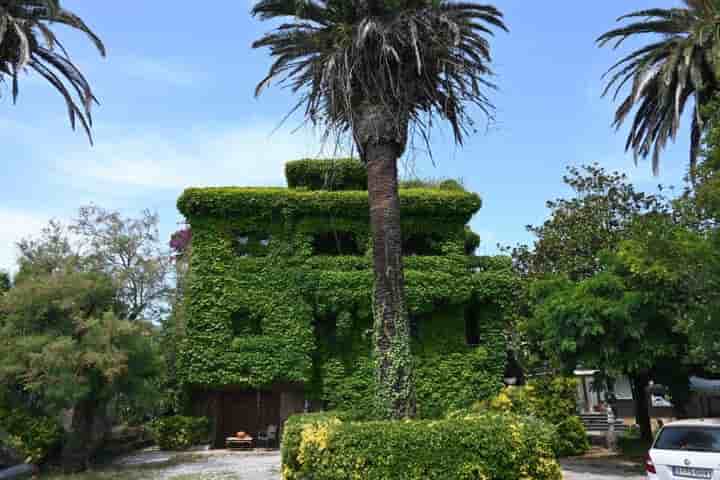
255, 264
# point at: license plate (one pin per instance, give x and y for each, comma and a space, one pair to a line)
690, 472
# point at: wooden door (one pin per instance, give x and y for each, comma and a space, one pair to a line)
248, 411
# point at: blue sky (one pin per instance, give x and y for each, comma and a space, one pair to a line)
178, 110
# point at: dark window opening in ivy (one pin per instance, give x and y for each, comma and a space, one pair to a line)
336, 243
326, 330
422, 244
472, 328
252, 244
244, 324
414, 327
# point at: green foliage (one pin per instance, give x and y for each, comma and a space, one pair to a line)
489, 446
594, 219
34, 436
273, 204
5, 282
552, 399
312, 314
179, 432
571, 438
604, 322
631, 444
472, 241
64, 343
335, 174
438, 183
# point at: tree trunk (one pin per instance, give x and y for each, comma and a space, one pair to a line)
381, 139
392, 331
85, 436
642, 410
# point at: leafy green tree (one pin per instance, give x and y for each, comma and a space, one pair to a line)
588, 302
75, 336
679, 64
615, 321
27, 41
595, 218
377, 70
63, 344
130, 252
687, 252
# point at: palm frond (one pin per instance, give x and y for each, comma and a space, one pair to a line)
665, 74
27, 42
416, 59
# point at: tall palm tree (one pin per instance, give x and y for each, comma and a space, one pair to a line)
679, 65
28, 42
374, 69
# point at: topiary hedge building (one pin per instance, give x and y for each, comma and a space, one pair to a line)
278, 299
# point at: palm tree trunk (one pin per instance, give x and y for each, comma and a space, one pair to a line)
381, 140
392, 332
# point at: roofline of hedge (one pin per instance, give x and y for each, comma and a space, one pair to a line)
228, 202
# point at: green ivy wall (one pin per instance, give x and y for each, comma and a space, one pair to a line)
263, 308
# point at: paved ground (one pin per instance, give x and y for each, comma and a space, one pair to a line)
600, 469
205, 465
222, 465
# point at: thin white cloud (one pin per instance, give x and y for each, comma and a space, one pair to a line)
14, 226
248, 155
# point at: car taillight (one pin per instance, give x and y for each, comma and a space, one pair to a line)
649, 465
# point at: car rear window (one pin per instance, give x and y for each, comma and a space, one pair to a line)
693, 439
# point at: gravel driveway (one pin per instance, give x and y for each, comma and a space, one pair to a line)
223, 465
207, 465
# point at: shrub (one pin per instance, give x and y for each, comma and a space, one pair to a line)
631, 444
440, 184
552, 399
34, 437
179, 432
338, 174
571, 438
489, 447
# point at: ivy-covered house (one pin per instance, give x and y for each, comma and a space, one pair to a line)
278, 299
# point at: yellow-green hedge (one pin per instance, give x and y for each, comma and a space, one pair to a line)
552, 399
485, 447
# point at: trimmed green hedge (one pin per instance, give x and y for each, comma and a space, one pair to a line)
179, 432
453, 206
487, 447
335, 174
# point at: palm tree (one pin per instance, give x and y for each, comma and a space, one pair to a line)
680, 64
28, 42
374, 69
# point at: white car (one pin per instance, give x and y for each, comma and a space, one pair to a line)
687, 449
